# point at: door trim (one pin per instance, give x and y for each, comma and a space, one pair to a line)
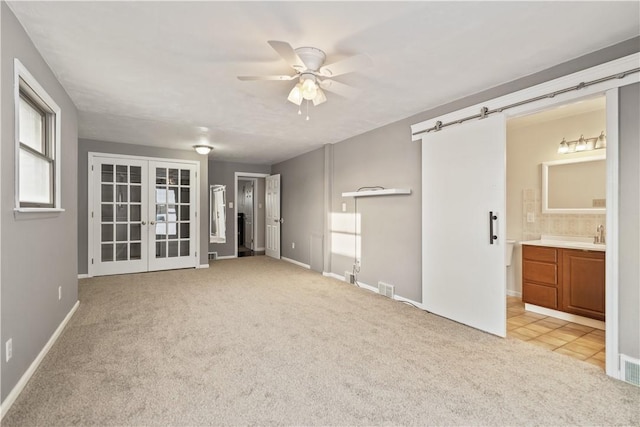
90, 197
610, 90
239, 175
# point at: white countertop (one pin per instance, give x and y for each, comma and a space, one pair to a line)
567, 242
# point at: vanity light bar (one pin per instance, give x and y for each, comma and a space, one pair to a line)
583, 144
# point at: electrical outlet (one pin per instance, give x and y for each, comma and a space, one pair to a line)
8, 350
358, 263
531, 217
59, 293
293, 245
230, 205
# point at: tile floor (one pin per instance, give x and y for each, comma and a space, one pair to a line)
579, 341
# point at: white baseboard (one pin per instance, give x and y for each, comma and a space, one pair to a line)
83, 276
17, 389
226, 257
374, 289
592, 323
333, 276
514, 293
202, 266
298, 263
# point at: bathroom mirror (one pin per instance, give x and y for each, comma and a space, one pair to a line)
217, 218
575, 186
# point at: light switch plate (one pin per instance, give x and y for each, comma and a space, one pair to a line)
344, 206
230, 205
531, 217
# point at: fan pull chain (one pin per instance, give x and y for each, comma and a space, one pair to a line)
307, 110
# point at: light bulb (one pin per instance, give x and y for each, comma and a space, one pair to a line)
582, 144
309, 89
563, 148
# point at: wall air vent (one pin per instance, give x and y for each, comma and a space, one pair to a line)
630, 370
386, 289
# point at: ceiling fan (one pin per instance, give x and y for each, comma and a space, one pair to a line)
313, 76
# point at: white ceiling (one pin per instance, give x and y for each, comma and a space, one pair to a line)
164, 73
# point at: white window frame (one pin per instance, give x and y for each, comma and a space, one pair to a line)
25, 80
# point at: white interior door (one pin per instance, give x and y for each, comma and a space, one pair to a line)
118, 216
272, 226
463, 180
172, 214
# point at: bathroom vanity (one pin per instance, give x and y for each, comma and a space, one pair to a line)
564, 275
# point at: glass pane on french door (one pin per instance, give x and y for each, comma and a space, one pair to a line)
172, 196
119, 231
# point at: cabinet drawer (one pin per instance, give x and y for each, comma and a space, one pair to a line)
544, 296
540, 272
540, 253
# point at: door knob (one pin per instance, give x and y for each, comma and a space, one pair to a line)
152, 222
144, 222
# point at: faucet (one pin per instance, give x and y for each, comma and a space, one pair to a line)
599, 238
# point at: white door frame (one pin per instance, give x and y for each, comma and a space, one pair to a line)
90, 198
248, 176
608, 88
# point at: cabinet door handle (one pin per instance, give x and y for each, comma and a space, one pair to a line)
492, 236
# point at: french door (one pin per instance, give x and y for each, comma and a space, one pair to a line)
143, 216
464, 224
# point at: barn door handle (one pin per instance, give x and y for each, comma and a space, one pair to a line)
492, 236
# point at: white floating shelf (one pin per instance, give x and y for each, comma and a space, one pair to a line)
385, 192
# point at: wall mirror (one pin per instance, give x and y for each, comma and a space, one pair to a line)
575, 186
217, 218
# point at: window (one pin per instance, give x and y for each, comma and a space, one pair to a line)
37, 145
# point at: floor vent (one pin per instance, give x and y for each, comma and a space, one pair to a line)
213, 255
630, 370
349, 277
386, 289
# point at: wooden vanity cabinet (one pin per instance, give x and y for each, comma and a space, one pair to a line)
540, 274
568, 280
583, 278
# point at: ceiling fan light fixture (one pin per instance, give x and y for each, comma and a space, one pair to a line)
295, 96
309, 89
320, 98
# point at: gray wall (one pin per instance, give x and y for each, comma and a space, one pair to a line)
391, 225
629, 244
302, 198
39, 253
223, 173
85, 146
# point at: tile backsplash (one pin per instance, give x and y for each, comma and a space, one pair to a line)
583, 225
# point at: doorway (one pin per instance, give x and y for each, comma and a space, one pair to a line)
246, 216
249, 214
566, 141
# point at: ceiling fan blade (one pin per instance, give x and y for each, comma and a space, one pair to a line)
244, 78
339, 88
353, 63
287, 53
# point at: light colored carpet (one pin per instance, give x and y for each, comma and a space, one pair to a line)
263, 342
